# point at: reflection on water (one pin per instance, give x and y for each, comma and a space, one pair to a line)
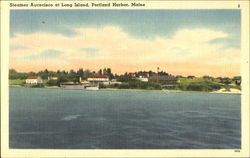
75, 119
70, 117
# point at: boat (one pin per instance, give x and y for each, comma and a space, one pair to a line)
79, 87
165, 90
92, 88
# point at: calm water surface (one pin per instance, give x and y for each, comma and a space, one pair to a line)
74, 119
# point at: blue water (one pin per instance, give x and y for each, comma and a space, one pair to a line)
74, 119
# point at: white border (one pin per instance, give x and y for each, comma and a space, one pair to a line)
244, 152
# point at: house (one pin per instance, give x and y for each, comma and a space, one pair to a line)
238, 82
52, 78
33, 80
98, 78
179, 76
143, 77
131, 74
191, 77
162, 79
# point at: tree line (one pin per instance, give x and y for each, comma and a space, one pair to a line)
62, 75
129, 81
73, 76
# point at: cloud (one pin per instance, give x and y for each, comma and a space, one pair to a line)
198, 35
15, 47
50, 53
91, 52
95, 48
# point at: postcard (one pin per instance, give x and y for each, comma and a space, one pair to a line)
124, 79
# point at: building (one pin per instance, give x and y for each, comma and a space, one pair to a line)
52, 78
179, 76
162, 79
98, 78
143, 77
34, 80
191, 77
131, 74
238, 82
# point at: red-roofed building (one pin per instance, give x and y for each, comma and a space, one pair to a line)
98, 78
33, 80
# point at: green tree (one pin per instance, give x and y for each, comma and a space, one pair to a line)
80, 72
87, 73
104, 71
52, 83
100, 72
111, 76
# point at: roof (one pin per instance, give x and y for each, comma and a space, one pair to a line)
99, 76
32, 77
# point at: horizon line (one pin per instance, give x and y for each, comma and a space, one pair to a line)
123, 72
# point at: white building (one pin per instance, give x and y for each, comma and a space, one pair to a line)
33, 80
143, 77
98, 78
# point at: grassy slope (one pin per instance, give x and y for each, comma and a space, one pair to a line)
22, 82
16, 82
185, 82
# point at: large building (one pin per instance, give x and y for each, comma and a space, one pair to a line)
98, 78
33, 80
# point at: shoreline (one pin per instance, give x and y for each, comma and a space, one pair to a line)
168, 91
144, 90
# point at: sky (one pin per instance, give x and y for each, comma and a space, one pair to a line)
180, 42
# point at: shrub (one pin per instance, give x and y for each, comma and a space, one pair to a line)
52, 83
37, 86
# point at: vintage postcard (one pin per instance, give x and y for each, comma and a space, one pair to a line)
124, 79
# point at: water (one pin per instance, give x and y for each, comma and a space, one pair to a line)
75, 119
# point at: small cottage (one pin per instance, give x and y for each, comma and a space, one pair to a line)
191, 77
34, 80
